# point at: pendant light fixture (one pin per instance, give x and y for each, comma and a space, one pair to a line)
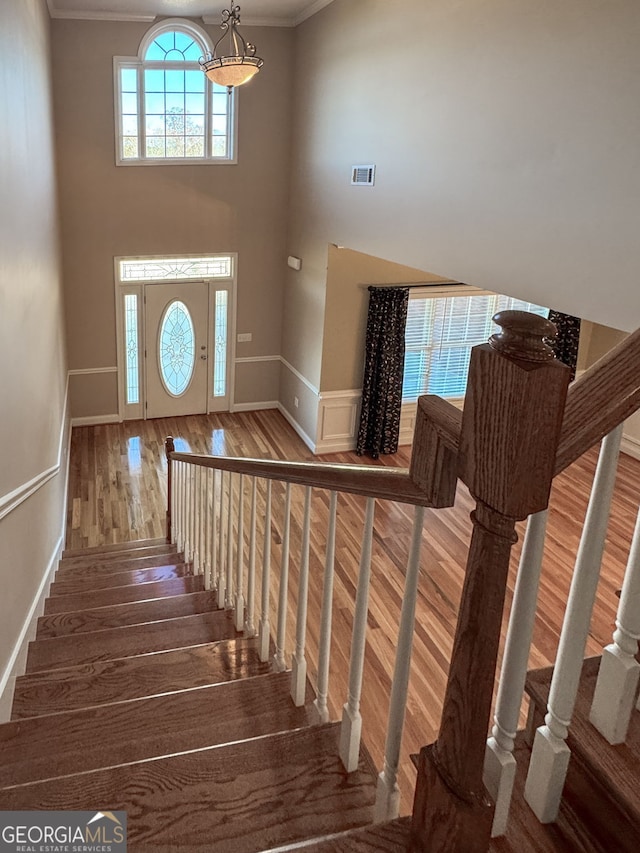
236, 65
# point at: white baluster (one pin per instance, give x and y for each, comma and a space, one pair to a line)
279, 661
178, 518
249, 627
240, 558
264, 628
173, 500
206, 523
190, 515
550, 755
299, 661
214, 541
228, 603
499, 762
222, 577
324, 652
388, 793
351, 729
617, 683
197, 559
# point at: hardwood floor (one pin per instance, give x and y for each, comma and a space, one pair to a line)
117, 493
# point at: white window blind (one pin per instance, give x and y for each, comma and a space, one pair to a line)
441, 330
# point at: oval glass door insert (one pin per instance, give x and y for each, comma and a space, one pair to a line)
177, 348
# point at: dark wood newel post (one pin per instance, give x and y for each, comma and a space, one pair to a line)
169, 447
510, 431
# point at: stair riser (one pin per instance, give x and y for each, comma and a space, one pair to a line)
134, 640
132, 678
123, 594
121, 615
73, 585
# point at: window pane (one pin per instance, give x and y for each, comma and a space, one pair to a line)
130, 104
129, 79
155, 125
157, 269
194, 126
174, 81
154, 103
194, 103
129, 147
440, 333
131, 344
130, 125
194, 146
219, 125
220, 104
174, 125
177, 348
155, 146
155, 52
194, 81
220, 343
174, 103
153, 80
175, 147
219, 146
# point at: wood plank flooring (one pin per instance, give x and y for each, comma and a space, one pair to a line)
117, 493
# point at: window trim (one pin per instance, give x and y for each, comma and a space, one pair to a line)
139, 64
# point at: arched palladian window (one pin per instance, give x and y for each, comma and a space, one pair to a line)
166, 109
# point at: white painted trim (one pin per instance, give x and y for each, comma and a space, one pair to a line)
249, 21
294, 423
311, 10
85, 371
94, 420
80, 15
249, 359
344, 446
28, 631
299, 375
19, 495
330, 395
630, 446
254, 407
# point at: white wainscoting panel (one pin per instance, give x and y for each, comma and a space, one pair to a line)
338, 416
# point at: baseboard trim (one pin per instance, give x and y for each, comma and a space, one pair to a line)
254, 407
16, 663
630, 446
345, 446
296, 426
95, 420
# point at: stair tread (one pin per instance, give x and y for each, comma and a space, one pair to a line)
391, 837
134, 677
91, 598
134, 576
120, 615
130, 640
614, 766
91, 738
111, 567
129, 545
248, 796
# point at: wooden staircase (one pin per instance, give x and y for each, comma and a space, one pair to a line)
139, 695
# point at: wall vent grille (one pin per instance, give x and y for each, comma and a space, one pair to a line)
363, 176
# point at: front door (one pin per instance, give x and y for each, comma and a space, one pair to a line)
176, 324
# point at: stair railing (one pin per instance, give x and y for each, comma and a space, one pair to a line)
514, 435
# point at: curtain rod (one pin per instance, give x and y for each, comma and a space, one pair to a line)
364, 286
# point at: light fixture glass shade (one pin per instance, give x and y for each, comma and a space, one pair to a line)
236, 65
232, 70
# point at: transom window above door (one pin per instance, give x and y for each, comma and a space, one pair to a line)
167, 111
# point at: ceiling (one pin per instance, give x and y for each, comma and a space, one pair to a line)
287, 13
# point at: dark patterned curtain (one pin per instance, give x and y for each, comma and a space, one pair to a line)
566, 343
383, 370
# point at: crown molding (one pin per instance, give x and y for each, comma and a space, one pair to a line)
250, 21
310, 10
70, 15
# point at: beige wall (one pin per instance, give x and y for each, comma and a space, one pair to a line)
108, 211
345, 317
32, 423
504, 134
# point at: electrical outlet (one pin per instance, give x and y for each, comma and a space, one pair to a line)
244, 337
295, 402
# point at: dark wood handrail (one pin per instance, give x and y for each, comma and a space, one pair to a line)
599, 400
369, 480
